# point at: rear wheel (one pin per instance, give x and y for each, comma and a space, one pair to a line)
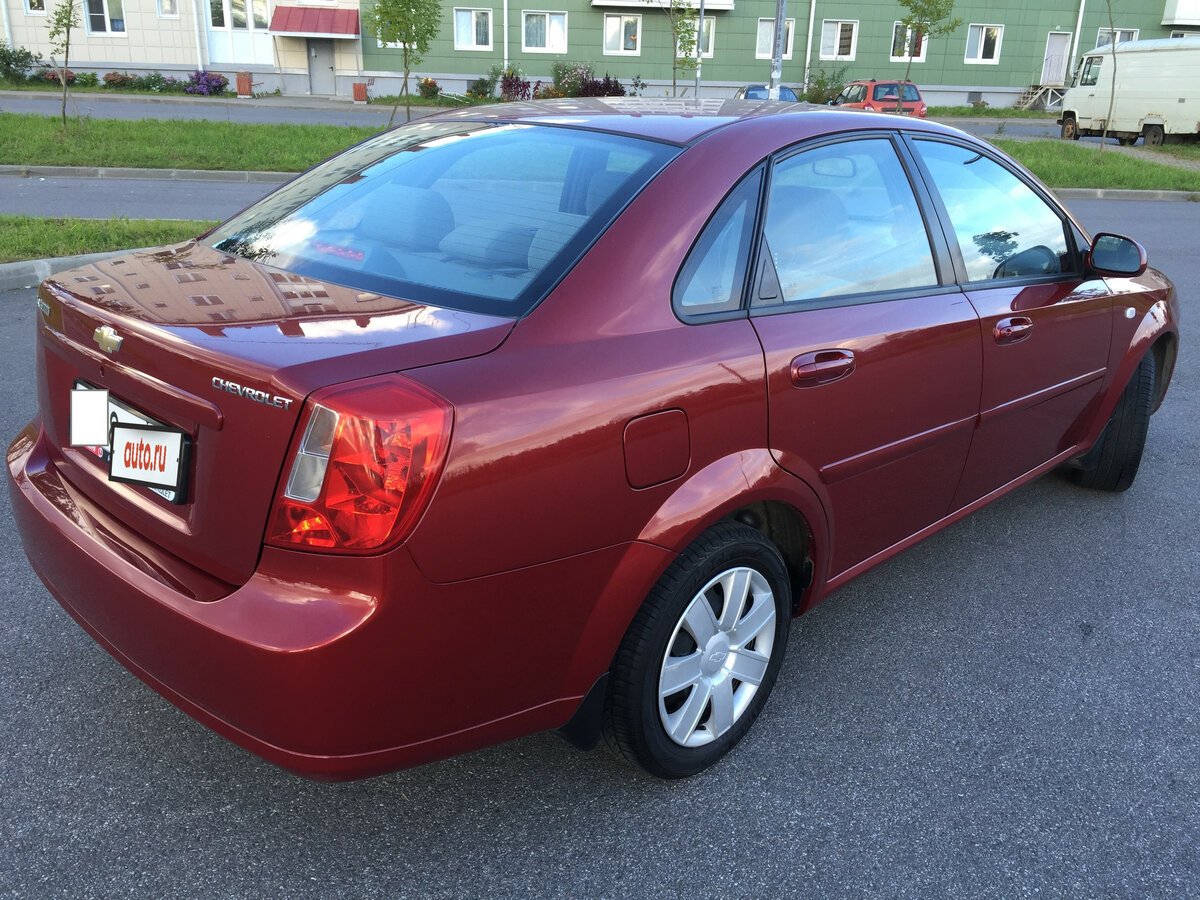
1113, 463
702, 654
1127, 141
1153, 135
1070, 129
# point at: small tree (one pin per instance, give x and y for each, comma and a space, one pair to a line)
682, 19
64, 18
411, 24
924, 19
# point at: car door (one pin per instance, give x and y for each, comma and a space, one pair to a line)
872, 352
1046, 324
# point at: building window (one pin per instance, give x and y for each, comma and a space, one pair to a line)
544, 32
766, 38
35, 7
838, 39
710, 30
206, 300
105, 17
1104, 36
905, 41
189, 277
622, 35
168, 9
983, 44
472, 29
240, 15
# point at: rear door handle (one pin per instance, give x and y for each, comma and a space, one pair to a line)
821, 367
1013, 329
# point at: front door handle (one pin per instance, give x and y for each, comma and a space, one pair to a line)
821, 367
1012, 330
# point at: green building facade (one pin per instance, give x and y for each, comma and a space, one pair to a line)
1000, 49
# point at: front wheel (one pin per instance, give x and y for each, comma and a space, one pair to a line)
702, 654
1113, 463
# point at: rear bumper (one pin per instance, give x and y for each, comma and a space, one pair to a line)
334, 667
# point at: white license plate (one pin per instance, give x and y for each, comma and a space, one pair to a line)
141, 450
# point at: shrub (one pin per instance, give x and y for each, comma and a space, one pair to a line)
119, 80
546, 92
481, 88
569, 77
514, 87
208, 84
823, 86
606, 87
17, 63
428, 88
158, 83
87, 79
51, 75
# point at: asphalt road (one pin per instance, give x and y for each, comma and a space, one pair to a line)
1008, 710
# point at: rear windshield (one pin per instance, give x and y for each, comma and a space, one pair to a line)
464, 215
888, 92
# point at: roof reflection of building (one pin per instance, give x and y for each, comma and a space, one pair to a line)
193, 285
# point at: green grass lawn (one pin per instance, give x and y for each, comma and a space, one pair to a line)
30, 237
31, 139
1065, 164
988, 112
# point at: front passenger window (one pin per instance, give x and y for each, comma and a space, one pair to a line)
1004, 229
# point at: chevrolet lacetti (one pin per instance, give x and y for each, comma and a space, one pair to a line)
552, 416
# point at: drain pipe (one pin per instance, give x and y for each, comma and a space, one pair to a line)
1075, 40
812, 21
7, 25
199, 10
506, 34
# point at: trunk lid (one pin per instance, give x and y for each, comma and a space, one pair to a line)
225, 350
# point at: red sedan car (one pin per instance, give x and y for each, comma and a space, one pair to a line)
553, 416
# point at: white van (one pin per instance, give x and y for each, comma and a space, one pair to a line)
1157, 92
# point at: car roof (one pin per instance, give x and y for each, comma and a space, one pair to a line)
671, 120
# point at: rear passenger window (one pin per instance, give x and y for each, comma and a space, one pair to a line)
842, 219
1004, 229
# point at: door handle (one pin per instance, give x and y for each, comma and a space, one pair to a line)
1012, 330
821, 367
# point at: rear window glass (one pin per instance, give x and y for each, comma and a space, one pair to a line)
888, 92
465, 215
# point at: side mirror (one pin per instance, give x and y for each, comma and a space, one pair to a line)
1112, 254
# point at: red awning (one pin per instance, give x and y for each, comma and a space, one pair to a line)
306, 21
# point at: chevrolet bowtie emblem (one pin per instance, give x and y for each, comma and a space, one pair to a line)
107, 339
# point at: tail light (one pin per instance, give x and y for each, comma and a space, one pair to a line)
922, 110
364, 469
868, 107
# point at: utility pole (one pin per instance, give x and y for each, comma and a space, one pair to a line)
777, 49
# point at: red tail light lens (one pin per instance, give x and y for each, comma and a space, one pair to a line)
365, 467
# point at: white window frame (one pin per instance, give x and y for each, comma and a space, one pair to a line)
789, 37
35, 12
853, 40
1101, 32
980, 61
920, 57
227, 12
637, 37
491, 21
525, 48
166, 15
85, 14
710, 28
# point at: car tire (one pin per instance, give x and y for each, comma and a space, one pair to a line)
1127, 141
1112, 464
1070, 129
721, 610
1154, 135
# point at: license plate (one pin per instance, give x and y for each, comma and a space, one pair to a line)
143, 451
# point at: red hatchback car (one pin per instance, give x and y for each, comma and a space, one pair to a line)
553, 416
882, 96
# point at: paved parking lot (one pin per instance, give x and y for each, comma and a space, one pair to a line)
1007, 710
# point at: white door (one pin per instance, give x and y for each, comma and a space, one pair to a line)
1054, 66
320, 67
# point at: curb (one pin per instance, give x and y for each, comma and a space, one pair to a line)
30, 272
147, 174
1123, 194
